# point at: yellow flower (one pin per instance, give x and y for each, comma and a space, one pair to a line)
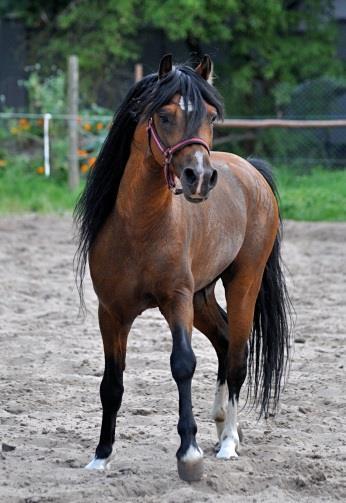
99, 126
23, 122
84, 168
2, 163
82, 153
14, 130
87, 126
40, 170
91, 161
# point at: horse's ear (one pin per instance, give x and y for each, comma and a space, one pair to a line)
166, 65
204, 69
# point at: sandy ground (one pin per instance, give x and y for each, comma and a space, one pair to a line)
51, 367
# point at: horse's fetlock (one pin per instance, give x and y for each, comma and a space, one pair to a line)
103, 451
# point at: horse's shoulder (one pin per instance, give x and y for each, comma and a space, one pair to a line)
241, 169
236, 168
232, 161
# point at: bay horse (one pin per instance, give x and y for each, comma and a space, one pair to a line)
161, 219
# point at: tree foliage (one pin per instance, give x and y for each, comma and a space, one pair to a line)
262, 48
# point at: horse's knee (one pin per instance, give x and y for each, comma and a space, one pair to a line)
183, 363
112, 389
183, 360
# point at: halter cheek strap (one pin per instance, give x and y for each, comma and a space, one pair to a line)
168, 153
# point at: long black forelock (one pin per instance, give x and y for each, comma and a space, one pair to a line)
194, 90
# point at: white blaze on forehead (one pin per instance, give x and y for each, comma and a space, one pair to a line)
182, 104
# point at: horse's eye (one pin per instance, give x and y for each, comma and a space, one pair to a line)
212, 119
164, 119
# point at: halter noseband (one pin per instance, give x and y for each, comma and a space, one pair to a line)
169, 151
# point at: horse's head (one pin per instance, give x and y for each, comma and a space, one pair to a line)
181, 127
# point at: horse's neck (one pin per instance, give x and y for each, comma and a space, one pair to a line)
143, 200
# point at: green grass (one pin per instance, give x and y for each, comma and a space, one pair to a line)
319, 195
316, 196
22, 192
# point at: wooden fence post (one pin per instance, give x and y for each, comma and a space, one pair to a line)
73, 173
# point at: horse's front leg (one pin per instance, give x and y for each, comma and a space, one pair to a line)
178, 311
114, 336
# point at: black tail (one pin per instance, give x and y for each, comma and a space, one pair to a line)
270, 340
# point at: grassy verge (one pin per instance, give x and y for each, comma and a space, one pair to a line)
21, 192
319, 195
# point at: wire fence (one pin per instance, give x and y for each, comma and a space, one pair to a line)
307, 127
287, 142
39, 142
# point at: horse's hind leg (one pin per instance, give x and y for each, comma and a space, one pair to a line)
114, 336
241, 295
211, 320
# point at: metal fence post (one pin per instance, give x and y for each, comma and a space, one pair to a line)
73, 173
46, 119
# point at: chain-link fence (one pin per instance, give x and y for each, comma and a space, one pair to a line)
321, 99
39, 143
300, 147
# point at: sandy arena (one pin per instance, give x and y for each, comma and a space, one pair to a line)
52, 362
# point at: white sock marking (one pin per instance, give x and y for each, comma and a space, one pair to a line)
229, 436
219, 407
98, 464
192, 454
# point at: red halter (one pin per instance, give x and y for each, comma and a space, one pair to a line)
169, 151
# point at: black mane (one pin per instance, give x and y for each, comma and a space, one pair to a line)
143, 99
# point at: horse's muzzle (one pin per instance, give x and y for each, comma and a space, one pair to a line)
198, 183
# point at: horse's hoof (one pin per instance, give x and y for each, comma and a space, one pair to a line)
98, 464
228, 449
190, 471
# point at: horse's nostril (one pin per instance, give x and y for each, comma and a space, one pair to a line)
213, 179
190, 175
